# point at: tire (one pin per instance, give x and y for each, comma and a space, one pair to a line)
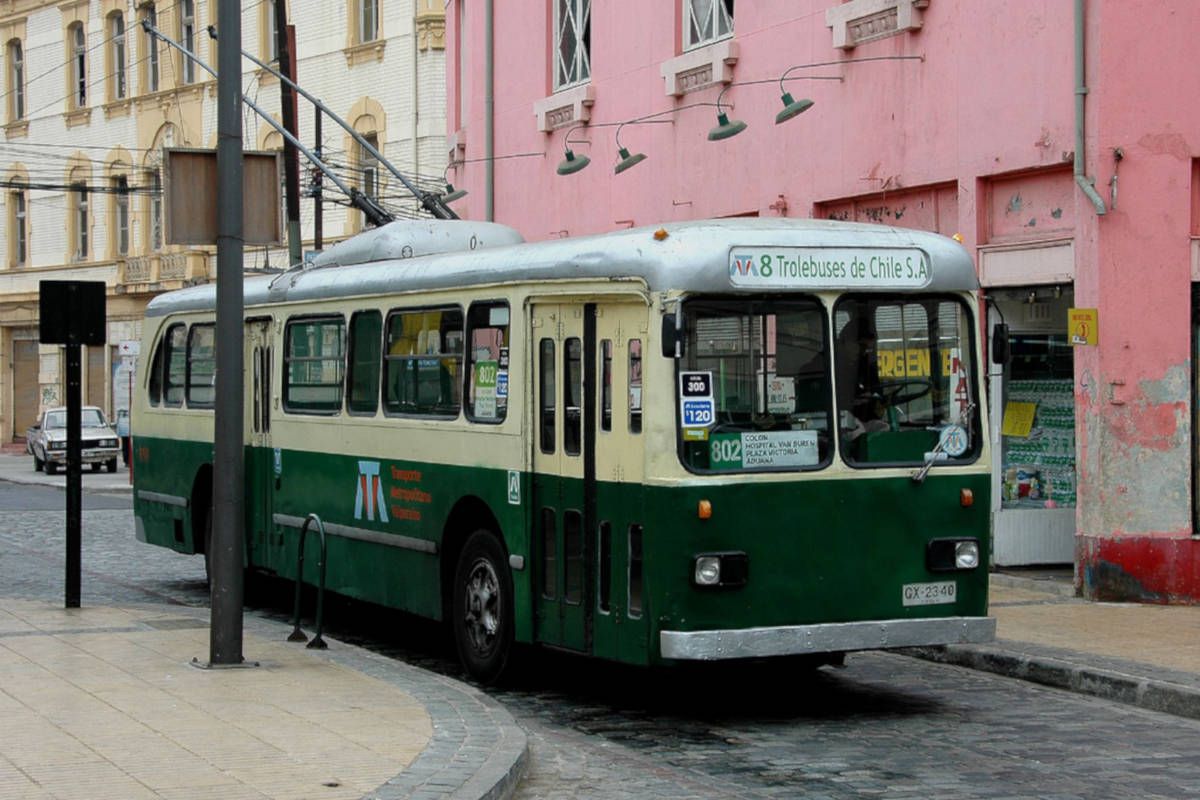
111, 465
51, 468
482, 607
38, 464
95, 466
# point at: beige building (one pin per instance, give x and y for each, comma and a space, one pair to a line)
89, 106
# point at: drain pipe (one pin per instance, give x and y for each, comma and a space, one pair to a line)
1081, 91
489, 113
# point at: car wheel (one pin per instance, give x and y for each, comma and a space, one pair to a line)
37, 463
111, 464
482, 607
96, 467
51, 468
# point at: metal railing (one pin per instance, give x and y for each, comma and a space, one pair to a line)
297, 635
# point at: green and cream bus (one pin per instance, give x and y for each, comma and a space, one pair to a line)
711, 440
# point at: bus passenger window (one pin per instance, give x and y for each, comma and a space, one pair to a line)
572, 396
362, 382
549, 559
156, 369
573, 557
635, 385
546, 391
606, 358
423, 362
635, 570
175, 366
201, 354
314, 359
487, 369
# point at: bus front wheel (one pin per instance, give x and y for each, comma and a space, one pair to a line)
482, 613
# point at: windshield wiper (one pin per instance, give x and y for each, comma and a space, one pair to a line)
919, 475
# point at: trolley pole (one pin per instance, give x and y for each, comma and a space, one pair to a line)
225, 636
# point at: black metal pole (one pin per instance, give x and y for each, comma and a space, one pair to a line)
228, 518
319, 209
291, 160
74, 482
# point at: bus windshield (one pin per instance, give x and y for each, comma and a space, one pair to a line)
904, 372
768, 365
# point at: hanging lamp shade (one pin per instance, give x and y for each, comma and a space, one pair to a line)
628, 160
725, 128
792, 108
572, 163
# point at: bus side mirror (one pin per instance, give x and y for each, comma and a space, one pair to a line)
1000, 347
672, 337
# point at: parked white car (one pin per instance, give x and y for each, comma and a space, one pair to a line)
47, 441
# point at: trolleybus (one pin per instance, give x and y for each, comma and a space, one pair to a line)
709, 440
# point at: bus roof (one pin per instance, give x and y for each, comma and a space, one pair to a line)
698, 256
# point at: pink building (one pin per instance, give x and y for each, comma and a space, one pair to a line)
969, 119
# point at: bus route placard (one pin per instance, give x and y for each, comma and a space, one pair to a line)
697, 412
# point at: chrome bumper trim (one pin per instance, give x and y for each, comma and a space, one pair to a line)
165, 499
363, 535
824, 638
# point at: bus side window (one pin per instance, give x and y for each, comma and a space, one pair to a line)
175, 366
314, 360
487, 369
201, 349
635, 385
156, 371
422, 361
606, 400
572, 396
362, 382
546, 391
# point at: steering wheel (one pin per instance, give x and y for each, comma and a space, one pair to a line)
894, 393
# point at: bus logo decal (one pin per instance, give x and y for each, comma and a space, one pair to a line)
370, 492
742, 265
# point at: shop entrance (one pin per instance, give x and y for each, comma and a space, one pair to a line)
1033, 414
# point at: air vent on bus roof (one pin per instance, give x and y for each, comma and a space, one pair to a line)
411, 238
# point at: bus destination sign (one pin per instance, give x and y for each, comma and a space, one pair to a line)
827, 268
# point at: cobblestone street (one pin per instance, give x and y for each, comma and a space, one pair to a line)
884, 726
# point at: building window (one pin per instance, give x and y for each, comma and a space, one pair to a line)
150, 59
368, 20
271, 31
706, 21
116, 33
16, 81
80, 201
19, 252
572, 42
187, 36
120, 186
368, 167
155, 201
78, 65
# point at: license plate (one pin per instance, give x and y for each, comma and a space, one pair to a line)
929, 594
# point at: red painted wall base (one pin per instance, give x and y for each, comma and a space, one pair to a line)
1141, 569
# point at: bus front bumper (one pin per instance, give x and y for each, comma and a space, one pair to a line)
786, 640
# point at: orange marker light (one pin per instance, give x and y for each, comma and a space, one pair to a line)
966, 497
661, 234
704, 509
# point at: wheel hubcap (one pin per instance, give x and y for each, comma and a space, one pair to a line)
483, 611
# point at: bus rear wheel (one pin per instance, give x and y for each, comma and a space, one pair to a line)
482, 612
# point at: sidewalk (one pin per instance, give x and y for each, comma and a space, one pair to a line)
106, 702
1144, 655
16, 466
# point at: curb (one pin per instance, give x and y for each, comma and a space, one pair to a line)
477, 750
1148, 693
1044, 585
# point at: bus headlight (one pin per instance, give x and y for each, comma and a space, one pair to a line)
966, 555
947, 555
707, 571
725, 570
